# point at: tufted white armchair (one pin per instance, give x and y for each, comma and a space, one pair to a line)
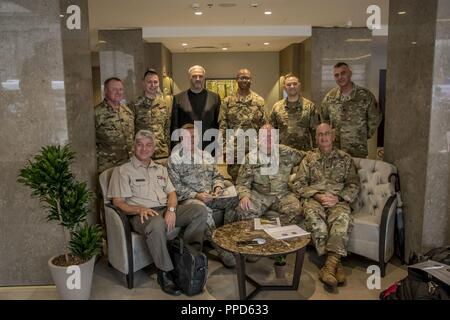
127, 250
374, 211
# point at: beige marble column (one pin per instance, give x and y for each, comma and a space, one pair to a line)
417, 134
122, 55
45, 98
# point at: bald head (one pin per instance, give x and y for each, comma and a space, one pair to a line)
325, 137
244, 80
267, 138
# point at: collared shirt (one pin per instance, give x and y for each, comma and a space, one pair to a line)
296, 122
252, 177
334, 172
238, 112
154, 115
355, 118
114, 132
141, 185
197, 173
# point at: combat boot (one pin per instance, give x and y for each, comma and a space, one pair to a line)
328, 272
340, 273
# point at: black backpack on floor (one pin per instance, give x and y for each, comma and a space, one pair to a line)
419, 285
190, 267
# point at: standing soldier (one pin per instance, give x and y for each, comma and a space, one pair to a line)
244, 110
295, 116
352, 111
114, 127
152, 112
327, 182
259, 191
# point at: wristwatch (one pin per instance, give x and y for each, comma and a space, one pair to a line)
172, 209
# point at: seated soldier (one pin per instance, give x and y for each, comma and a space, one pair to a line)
197, 180
327, 182
262, 192
141, 188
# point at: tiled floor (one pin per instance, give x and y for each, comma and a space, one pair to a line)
222, 283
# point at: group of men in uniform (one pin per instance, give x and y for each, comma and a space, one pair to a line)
315, 180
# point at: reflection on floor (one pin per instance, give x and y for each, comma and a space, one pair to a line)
222, 282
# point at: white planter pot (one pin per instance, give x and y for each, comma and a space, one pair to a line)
73, 282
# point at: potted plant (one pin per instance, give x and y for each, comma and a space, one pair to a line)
66, 201
280, 266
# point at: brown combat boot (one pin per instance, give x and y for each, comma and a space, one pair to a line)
340, 273
328, 272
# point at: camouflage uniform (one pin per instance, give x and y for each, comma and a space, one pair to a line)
244, 113
334, 173
154, 115
270, 192
355, 117
114, 134
296, 124
195, 177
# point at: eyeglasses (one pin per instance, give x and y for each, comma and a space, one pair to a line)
325, 134
244, 78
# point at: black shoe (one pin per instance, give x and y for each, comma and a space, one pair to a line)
167, 285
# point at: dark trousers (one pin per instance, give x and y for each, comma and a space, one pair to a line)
191, 218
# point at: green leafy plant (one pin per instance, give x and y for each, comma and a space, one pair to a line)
65, 199
280, 260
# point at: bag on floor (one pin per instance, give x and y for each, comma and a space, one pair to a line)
190, 267
420, 285
417, 286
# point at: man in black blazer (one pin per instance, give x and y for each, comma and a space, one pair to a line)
196, 104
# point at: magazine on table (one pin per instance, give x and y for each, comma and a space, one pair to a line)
267, 223
286, 232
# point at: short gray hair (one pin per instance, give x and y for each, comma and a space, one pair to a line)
191, 69
144, 134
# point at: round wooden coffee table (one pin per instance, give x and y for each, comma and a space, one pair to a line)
228, 236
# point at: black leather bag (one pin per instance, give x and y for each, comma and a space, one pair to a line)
190, 267
419, 285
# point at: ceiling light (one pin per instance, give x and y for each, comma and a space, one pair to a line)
358, 40
414, 42
61, 16
224, 49
198, 13
266, 43
401, 12
101, 41
184, 44
267, 13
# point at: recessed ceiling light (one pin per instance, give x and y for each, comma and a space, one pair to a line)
184, 44
101, 41
267, 13
266, 43
401, 12
198, 13
61, 16
224, 49
414, 42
